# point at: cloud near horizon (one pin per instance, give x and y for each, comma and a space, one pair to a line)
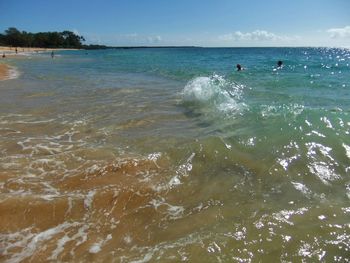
124, 39
343, 32
256, 36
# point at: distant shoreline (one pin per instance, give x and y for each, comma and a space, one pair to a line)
96, 47
8, 72
12, 50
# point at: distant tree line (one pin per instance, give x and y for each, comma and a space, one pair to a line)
66, 39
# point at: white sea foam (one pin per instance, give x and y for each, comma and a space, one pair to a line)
172, 211
13, 73
347, 150
97, 247
327, 122
60, 247
201, 89
154, 157
303, 189
285, 110
31, 242
89, 199
215, 92
322, 164
287, 161
323, 171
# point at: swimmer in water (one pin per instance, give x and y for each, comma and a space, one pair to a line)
279, 64
239, 67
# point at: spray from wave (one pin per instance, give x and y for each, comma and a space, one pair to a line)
215, 94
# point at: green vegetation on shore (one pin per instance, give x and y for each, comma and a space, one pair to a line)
66, 39
14, 38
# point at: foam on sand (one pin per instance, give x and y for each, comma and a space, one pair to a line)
7, 72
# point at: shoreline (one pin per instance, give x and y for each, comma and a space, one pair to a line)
11, 51
7, 72
31, 49
4, 72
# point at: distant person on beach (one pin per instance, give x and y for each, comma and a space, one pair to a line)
52, 54
16, 50
239, 67
3, 55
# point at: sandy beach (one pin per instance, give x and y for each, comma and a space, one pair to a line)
10, 52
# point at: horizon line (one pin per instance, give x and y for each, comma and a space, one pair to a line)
194, 46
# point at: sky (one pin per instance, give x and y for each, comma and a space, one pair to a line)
211, 23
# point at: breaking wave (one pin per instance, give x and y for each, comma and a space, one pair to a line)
215, 93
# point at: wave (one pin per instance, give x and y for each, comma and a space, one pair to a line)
11, 72
214, 93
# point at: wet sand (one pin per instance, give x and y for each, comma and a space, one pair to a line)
4, 71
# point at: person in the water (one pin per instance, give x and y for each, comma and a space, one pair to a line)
279, 64
239, 67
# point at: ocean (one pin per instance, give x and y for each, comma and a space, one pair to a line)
170, 154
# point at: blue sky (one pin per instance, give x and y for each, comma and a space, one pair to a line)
187, 22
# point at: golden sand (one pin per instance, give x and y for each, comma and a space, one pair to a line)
4, 71
118, 206
12, 50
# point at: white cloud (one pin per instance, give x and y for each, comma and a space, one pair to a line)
135, 38
154, 39
129, 39
132, 35
343, 32
255, 36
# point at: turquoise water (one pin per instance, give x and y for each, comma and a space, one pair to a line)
144, 155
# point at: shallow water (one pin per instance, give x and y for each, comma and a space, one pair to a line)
168, 155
